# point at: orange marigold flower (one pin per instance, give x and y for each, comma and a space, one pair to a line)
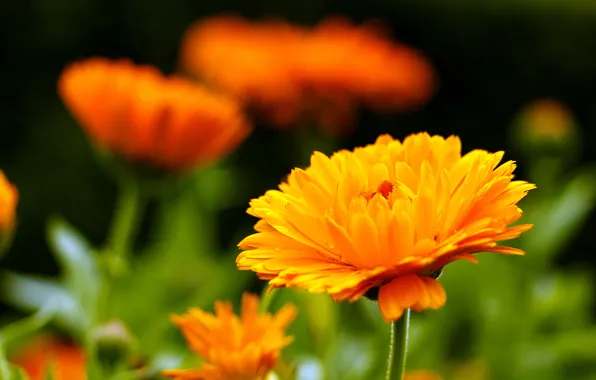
386, 217
45, 354
9, 197
234, 348
139, 114
320, 73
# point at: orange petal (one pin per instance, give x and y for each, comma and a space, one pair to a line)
410, 291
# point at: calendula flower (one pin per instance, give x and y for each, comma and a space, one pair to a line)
386, 217
234, 348
142, 116
9, 197
249, 61
63, 361
290, 73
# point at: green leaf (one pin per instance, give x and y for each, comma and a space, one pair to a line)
32, 293
79, 266
17, 373
560, 219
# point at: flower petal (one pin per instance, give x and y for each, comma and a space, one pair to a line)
410, 291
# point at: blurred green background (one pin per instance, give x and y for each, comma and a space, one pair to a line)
525, 318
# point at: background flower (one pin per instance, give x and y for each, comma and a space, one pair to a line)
40, 356
297, 73
9, 196
137, 113
245, 347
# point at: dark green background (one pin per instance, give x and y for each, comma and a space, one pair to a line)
492, 58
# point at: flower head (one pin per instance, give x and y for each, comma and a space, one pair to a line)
43, 355
296, 73
9, 196
135, 112
234, 348
386, 216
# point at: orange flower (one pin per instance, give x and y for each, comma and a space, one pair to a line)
384, 217
249, 61
42, 355
234, 348
289, 73
9, 197
421, 375
137, 113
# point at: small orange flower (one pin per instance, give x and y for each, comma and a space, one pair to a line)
139, 114
234, 348
43, 355
9, 197
289, 73
421, 375
386, 216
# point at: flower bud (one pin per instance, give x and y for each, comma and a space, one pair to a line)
546, 127
113, 342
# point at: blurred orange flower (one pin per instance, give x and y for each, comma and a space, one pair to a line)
421, 375
45, 354
234, 348
385, 217
139, 114
9, 197
289, 73
548, 118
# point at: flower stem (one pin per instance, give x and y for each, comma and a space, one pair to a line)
124, 228
267, 298
396, 364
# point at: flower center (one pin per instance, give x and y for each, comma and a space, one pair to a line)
385, 189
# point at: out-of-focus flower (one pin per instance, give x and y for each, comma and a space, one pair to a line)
476, 369
547, 118
290, 73
9, 197
234, 348
421, 375
385, 217
46, 354
142, 116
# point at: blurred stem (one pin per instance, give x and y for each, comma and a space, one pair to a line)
398, 344
125, 225
267, 298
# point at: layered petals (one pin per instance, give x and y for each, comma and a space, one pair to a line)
321, 73
142, 116
410, 292
388, 215
234, 348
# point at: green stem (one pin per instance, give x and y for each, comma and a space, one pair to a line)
396, 364
124, 226
267, 299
